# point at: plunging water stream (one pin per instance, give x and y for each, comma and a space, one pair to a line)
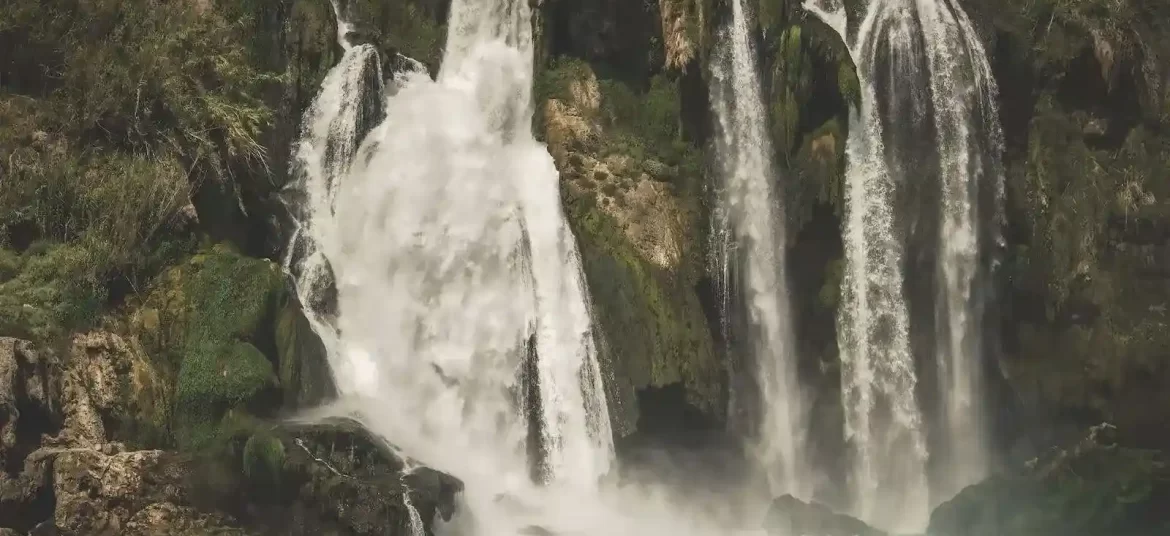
750, 242
920, 63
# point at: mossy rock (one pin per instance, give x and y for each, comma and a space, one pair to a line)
653, 329
264, 459
1091, 488
214, 320
335, 477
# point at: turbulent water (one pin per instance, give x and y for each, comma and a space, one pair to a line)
919, 63
750, 242
437, 266
444, 240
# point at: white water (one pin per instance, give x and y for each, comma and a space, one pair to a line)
751, 239
970, 147
883, 418
444, 238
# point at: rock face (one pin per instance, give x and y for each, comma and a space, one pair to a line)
631, 197
28, 400
1083, 101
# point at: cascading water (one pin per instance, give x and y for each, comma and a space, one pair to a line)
750, 240
914, 47
430, 256
882, 418
970, 146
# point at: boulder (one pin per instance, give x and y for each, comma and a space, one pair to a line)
335, 477
789, 515
1091, 488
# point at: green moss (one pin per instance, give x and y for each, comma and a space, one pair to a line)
218, 309
652, 323
263, 459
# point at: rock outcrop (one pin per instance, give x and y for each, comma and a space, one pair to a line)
1090, 488
65, 471
789, 515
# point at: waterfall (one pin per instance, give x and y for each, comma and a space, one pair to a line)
916, 58
750, 240
882, 417
970, 146
431, 248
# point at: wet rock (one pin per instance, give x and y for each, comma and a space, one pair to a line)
304, 364
335, 477
789, 515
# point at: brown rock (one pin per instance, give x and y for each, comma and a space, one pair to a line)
99, 494
27, 407
168, 519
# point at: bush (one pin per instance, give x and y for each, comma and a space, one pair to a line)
45, 293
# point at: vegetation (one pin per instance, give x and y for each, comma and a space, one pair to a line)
644, 125
222, 306
263, 459
654, 327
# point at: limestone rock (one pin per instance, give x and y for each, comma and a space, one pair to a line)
160, 519
28, 406
99, 494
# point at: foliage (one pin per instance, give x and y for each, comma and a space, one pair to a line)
813, 84
144, 76
644, 125
110, 113
647, 125
48, 288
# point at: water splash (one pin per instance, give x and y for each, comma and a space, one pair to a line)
750, 241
